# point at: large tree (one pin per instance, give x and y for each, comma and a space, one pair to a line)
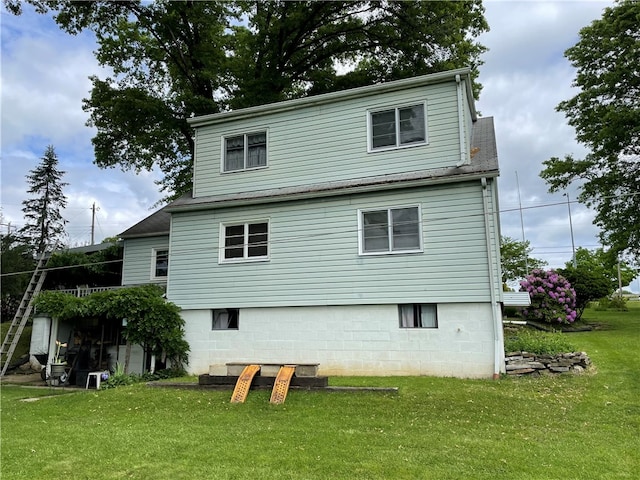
606, 116
174, 60
516, 261
44, 226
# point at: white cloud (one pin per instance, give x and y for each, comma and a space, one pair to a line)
44, 79
525, 76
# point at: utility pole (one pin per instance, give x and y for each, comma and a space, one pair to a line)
93, 222
619, 280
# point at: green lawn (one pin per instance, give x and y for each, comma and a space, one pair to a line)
563, 427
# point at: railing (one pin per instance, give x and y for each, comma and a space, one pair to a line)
82, 291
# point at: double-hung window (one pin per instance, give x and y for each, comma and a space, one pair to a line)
397, 127
390, 230
417, 315
245, 152
159, 264
244, 242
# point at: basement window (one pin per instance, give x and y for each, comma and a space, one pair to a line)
225, 319
418, 315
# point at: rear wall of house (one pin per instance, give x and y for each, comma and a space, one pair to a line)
138, 256
314, 257
328, 143
349, 340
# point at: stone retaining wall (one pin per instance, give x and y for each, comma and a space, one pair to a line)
524, 363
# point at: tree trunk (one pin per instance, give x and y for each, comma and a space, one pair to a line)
127, 357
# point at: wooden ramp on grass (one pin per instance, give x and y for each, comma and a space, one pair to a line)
243, 384
281, 385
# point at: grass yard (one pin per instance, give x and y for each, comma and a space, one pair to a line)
561, 427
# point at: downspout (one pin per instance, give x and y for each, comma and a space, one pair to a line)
463, 143
498, 344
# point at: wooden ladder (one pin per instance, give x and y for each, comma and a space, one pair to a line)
22, 314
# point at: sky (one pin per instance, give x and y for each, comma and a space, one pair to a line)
44, 76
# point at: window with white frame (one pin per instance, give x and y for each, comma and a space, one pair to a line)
397, 127
244, 241
418, 315
390, 230
244, 152
224, 319
160, 263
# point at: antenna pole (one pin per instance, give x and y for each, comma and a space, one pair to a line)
526, 256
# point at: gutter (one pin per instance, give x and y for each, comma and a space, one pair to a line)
464, 155
498, 342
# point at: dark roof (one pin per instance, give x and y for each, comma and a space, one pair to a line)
157, 223
96, 247
484, 163
483, 138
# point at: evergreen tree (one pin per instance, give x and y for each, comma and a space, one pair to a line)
44, 223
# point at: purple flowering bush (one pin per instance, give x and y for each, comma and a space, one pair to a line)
553, 300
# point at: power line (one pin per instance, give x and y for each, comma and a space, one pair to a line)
61, 268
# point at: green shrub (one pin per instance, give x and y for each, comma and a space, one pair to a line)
538, 342
511, 312
119, 378
612, 303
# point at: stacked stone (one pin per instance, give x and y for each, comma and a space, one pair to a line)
524, 363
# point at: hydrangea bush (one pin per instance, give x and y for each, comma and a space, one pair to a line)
553, 300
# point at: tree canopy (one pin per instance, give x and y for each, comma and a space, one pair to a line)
175, 60
604, 264
515, 260
44, 226
606, 116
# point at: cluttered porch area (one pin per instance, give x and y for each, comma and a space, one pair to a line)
72, 350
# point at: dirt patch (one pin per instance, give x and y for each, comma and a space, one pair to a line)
23, 379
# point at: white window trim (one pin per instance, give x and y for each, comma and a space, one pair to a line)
370, 148
421, 327
221, 244
362, 211
154, 254
223, 149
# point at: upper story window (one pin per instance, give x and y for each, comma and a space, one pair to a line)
397, 127
159, 264
244, 152
390, 230
244, 242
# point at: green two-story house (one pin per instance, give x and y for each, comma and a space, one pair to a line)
358, 230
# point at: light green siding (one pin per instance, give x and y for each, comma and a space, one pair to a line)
314, 256
138, 255
323, 143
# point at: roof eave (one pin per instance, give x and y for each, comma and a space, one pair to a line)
333, 97
206, 203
